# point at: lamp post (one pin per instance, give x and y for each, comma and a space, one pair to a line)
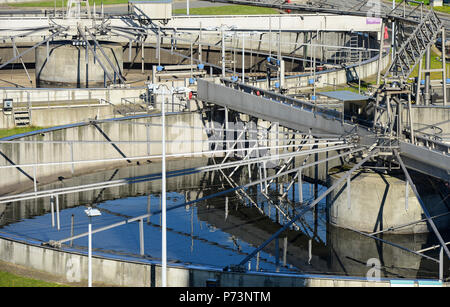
155, 88
90, 212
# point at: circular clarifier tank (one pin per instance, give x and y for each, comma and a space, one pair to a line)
64, 64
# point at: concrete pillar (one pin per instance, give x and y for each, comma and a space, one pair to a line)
378, 203
80, 67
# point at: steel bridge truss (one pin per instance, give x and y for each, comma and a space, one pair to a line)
414, 48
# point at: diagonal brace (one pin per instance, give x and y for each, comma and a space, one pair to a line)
424, 209
309, 207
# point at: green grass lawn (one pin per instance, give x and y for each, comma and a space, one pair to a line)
435, 63
18, 130
12, 280
215, 10
60, 3
443, 9
228, 10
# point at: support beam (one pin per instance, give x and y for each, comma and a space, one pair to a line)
422, 204
95, 55
223, 193
16, 51
20, 55
118, 73
307, 208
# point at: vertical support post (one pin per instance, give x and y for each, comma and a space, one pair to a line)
149, 204
86, 59
34, 178
72, 222
410, 118
154, 80
441, 264
399, 120
314, 64
277, 253
282, 74
393, 35
200, 51
260, 176
277, 142
257, 261
444, 67
266, 187
158, 46
279, 53
406, 195
349, 200
58, 225
375, 113
142, 55
48, 50
359, 72
192, 228
71, 158
226, 128
427, 77
380, 53
243, 58
226, 208
270, 35
309, 251
191, 59
419, 80
300, 186
223, 54
389, 115
285, 251
163, 188
148, 139
52, 210
90, 254
130, 48
141, 236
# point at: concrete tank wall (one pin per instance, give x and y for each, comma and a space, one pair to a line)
119, 130
73, 267
66, 64
378, 202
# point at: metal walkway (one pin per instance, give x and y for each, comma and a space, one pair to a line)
433, 160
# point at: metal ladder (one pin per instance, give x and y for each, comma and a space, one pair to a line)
353, 55
229, 56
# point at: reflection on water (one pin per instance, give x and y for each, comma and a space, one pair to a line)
217, 232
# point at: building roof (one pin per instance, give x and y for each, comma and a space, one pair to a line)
345, 96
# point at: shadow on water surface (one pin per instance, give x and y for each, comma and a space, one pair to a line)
217, 232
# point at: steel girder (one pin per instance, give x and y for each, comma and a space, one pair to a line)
414, 48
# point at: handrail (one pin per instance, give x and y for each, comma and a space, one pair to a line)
304, 105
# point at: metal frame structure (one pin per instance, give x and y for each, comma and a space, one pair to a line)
412, 49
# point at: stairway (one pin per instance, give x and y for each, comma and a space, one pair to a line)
414, 48
22, 116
